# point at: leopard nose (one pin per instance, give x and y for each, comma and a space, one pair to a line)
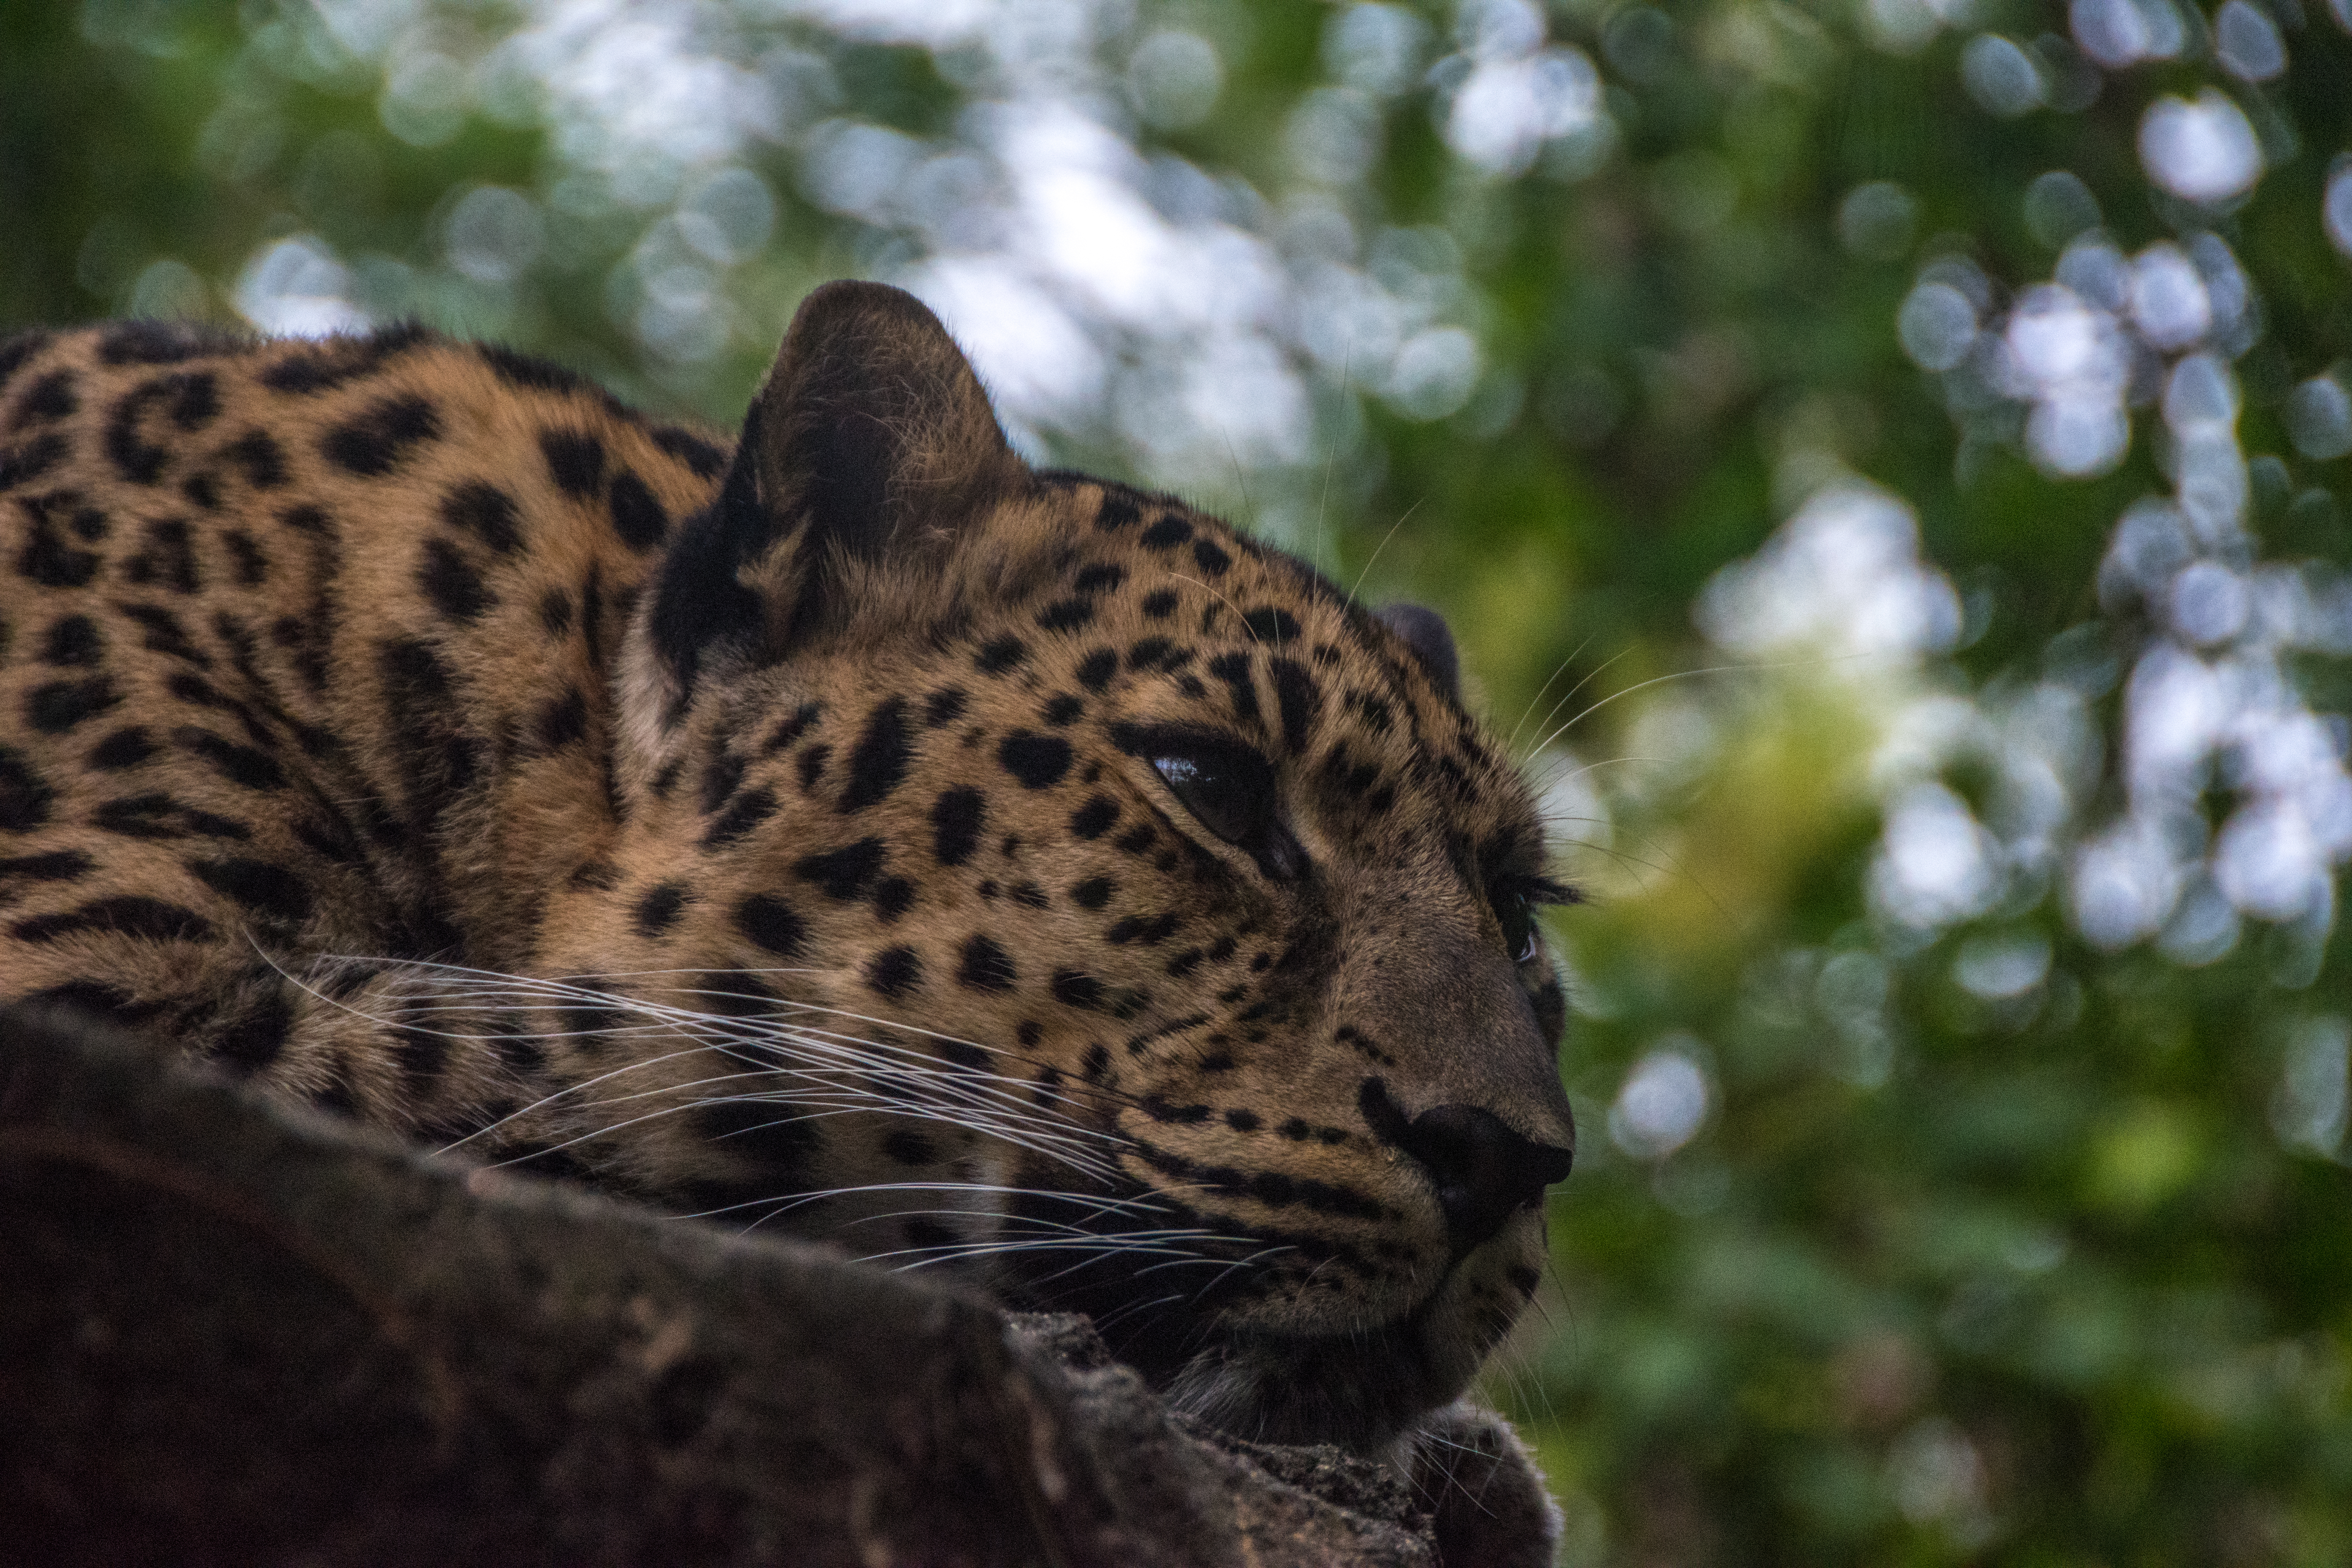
1483, 1171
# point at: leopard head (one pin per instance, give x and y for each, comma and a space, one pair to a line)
1055, 883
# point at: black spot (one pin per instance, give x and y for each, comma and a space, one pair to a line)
955, 823
60, 705
192, 400
420, 1055
735, 994
1213, 559
602, 876
239, 765
1094, 819
190, 687
169, 557
1234, 670
48, 399
792, 729
1099, 579
487, 512
254, 1039
258, 454
986, 966
1096, 668
196, 399
705, 458
1139, 839
1003, 654
1184, 962
555, 612
909, 1147
751, 808
773, 925
436, 757
267, 889
658, 910
1029, 894
878, 764
944, 707
24, 795
163, 342
522, 370
1038, 761
894, 971
322, 367
89, 524
1159, 603
128, 915
1150, 653
1093, 893
893, 897
720, 779
1118, 512
374, 443
962, 1053
124, 749
202, 489
21, 349
1062, 710
1273, 624
73, 641
1170, 531
252, 565
1080, 991
561, 720
1298, 699
57, 866
768, 1134
575, 461
845, 873
637, 516
23, 464
812, 766
1149, 931
450, 582
48, 558
1066, 615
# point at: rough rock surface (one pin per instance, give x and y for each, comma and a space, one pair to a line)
233, 1333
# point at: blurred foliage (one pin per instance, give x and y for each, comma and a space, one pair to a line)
1976, 1240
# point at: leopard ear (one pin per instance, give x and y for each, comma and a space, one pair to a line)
870, 442
1424, 631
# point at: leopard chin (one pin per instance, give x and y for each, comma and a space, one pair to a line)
1285, 1376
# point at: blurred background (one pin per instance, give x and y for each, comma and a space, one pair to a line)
1885, 461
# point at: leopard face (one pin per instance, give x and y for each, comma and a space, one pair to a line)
983, 868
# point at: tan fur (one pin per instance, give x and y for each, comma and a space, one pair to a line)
380, 738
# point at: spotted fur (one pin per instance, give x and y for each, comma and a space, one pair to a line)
833, 829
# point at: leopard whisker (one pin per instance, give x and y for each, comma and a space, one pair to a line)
821, 1052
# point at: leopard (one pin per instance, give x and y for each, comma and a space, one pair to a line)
846, 828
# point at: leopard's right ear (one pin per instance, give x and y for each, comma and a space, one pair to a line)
867, 451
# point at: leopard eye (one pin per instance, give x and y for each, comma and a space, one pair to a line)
1231, 792
1515, 901
1516, 912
